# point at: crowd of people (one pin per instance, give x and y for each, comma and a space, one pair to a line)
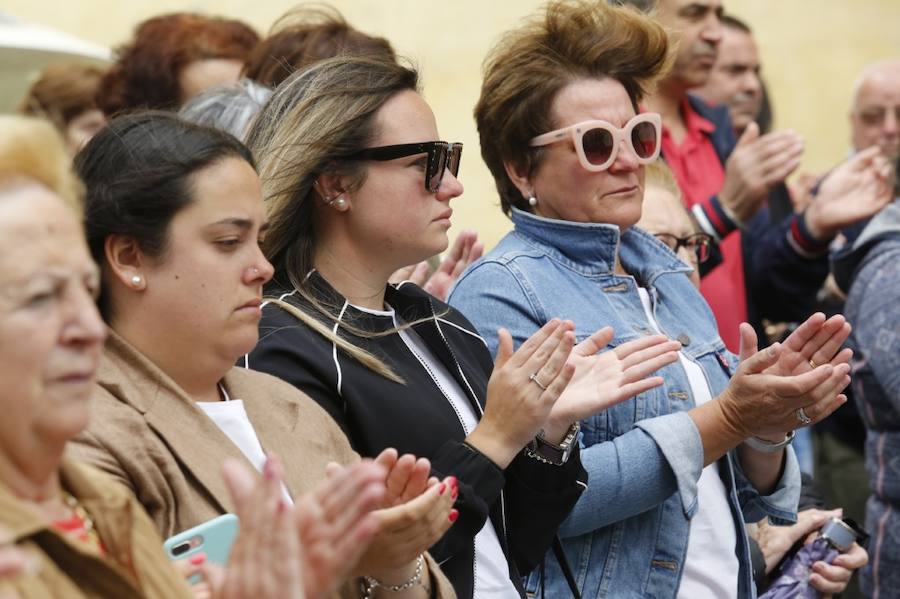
222, 292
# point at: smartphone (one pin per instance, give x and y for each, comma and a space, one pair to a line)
214, 538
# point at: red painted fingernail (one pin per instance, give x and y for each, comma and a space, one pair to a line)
196, 560
451, 480
454, 493
454, 514
441, 488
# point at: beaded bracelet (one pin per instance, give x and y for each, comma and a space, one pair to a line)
373, 583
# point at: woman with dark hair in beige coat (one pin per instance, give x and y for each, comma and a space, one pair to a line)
181, 292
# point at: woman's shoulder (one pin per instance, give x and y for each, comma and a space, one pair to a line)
275, 404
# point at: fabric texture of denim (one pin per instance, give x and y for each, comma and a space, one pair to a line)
627, 535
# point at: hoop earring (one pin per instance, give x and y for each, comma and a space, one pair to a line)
532, 201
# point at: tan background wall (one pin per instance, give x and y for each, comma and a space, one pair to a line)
811, 52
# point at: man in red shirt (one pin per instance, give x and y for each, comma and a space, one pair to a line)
721, 196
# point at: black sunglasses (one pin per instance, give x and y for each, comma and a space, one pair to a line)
441, 155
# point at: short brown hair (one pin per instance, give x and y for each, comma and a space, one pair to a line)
63, 92
572, 40
146, 71
305, 35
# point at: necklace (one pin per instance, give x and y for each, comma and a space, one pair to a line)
79, 512
79, 525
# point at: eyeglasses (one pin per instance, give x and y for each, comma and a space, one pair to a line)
698, 244
441, 156
597, 142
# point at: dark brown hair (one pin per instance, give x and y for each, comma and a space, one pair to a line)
63, 92
139, 173
305, 35
523, 73
146, 72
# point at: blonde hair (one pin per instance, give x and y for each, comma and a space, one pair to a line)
31, 148
313, 122
524, 72
658, 174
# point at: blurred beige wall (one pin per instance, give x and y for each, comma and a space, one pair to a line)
811, 50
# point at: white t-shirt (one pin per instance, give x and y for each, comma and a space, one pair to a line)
231, 418
711, 566
490, 565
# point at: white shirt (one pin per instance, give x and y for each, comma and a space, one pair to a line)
231, 418
711, 567
491, 573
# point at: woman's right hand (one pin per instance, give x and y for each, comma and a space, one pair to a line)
522, 390
264, 562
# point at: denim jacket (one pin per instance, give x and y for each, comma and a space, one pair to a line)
628, 534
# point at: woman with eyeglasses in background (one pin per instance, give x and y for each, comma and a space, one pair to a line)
357, 188
664, 216
673, 472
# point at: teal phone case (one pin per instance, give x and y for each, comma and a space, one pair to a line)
214, 538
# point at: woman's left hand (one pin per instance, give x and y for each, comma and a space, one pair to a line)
602, 380
833, 578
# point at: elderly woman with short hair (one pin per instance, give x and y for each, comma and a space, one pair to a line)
81, 533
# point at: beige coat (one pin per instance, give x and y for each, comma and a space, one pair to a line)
147, 433
134, 564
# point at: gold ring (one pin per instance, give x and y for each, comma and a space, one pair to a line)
812, 364
533, 378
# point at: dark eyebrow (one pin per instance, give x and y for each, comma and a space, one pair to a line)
241, 223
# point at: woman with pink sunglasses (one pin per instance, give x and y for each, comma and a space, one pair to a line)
674, 472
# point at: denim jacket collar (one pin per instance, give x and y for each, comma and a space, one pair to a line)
591, 248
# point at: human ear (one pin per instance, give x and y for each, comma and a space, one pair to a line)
519, 176
332, 191
126, 261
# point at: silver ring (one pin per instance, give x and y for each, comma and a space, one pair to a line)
533, 378
802, 417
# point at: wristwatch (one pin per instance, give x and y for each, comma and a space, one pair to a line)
767, 446
543, 450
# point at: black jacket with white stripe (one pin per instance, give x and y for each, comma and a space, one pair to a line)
526, 502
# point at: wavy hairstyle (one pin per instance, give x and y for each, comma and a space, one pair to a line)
145, 74
305, 35
314, 121
571, 40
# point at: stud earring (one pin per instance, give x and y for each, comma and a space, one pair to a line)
340, 203
136, 280
532, 201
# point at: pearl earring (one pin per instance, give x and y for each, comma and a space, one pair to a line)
136, 280
532, 201
340, 203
